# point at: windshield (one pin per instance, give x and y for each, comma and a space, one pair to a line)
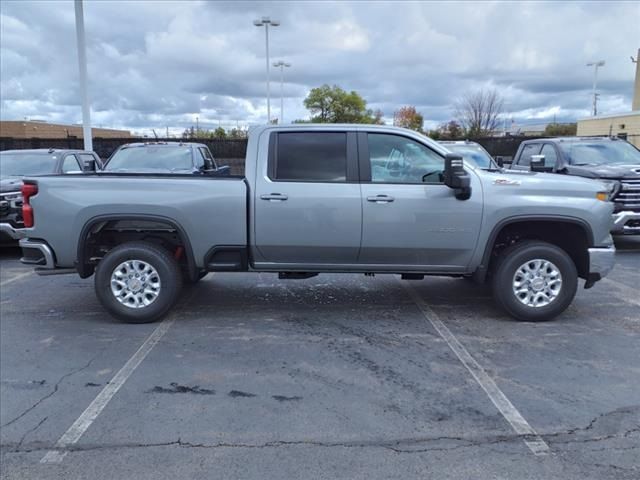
162, 158
474, 154
598, 152
21, 164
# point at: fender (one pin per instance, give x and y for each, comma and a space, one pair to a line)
481, 271
85, 270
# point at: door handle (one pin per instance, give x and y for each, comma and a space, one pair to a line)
274, 197
381, 199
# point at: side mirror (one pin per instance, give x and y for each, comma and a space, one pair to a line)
538, 164
89, 166
455, 176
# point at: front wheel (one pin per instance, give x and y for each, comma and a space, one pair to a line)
138, 282
535, 281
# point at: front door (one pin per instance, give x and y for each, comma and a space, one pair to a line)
307, 204
411, 220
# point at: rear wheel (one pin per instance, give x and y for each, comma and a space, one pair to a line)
138, 282
535, 281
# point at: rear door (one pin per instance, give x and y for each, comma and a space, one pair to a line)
307, 201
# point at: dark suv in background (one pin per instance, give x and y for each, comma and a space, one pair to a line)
15, 164
613, 161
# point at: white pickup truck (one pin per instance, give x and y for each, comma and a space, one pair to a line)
324, 198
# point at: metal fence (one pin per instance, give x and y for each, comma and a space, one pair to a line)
104, 147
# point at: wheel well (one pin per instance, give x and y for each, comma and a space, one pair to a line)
571, 237
101, 235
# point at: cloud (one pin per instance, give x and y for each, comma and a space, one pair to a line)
157, 64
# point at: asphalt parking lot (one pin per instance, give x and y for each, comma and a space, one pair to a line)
331, 377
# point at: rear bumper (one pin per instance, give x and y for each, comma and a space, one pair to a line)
10, 231
601, 262
38, 253
626, 222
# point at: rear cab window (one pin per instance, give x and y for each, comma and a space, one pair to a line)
308, 157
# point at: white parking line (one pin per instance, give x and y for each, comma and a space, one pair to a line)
84, 421
14, 278
623, 292
535, 443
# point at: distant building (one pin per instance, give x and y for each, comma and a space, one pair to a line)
623, 125
41, 129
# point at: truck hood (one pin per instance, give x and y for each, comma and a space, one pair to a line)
537, 181
10, 184
604, 171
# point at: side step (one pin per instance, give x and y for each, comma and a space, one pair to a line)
412, 276
296, 275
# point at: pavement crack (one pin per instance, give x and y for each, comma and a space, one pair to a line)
50, 394
31, 430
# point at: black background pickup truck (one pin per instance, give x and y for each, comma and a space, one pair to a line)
15, 164
613, 161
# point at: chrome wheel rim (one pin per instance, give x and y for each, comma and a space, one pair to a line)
135, 284
537, 283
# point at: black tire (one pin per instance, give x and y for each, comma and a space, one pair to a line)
517, 255
167, 270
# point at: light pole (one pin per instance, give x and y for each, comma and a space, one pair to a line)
282, 66
82, 63
596, 65
265, 22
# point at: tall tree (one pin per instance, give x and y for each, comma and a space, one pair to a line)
478, 111
408, 117
335, 105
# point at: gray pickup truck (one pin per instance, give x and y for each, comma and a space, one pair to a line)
324, 198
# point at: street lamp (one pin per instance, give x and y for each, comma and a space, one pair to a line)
265, 22
282, 66
596, 65
82, 64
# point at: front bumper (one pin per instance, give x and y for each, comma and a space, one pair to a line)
601, 262
10, 231
627, 222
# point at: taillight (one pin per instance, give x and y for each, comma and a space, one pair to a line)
28, 190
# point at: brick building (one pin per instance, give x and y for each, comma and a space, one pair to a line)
41, 129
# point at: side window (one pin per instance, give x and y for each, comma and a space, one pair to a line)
70, 164
396, 159
207, 158
528, 150
551, 157
311, 156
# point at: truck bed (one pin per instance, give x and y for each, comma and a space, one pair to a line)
209, 210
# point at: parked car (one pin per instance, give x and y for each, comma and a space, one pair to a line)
15, 164
611, 160
167, 157
472, 152
324, 198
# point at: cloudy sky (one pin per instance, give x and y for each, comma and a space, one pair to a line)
154, 64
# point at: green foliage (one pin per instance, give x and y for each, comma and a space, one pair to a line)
561, 130
220, 133
335, 105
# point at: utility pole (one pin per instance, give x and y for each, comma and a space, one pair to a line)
265, 22
82, 64
596, 65
282, 66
